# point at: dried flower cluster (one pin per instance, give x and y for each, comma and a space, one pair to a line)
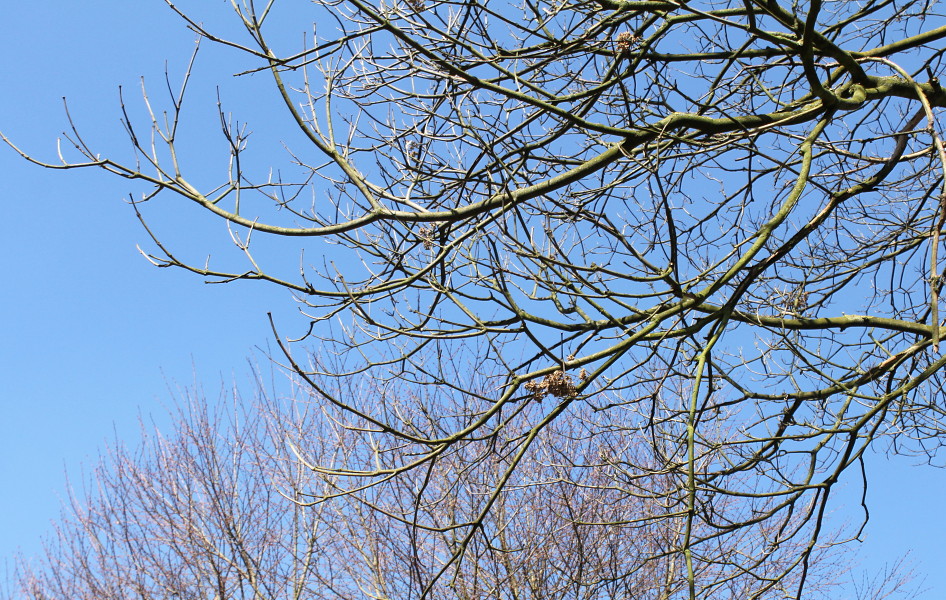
558, 384
626, 41
427, 236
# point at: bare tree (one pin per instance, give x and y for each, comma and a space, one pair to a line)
713, 227
218, 507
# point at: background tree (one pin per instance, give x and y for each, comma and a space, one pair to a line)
217, 508
711, 226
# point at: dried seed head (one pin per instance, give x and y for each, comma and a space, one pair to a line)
626, 40
558, 384
427, 236
537, 390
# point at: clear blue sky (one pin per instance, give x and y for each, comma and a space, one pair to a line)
94, 336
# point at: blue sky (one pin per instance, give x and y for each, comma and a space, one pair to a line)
96, 338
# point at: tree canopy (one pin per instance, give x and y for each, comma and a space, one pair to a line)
700, 241
219, 506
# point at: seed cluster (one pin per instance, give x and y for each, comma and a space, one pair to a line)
626, 40
558, 384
